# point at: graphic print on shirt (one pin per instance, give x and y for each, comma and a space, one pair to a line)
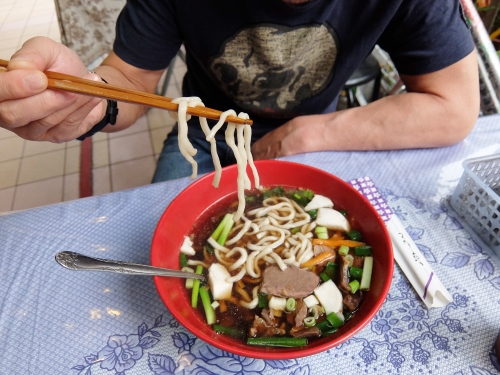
272, 68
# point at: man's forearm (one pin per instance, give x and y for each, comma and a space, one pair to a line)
409, 120
116, 72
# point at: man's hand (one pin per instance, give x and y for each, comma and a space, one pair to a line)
28, 109
301, 134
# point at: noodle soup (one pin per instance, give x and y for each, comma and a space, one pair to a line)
292, 269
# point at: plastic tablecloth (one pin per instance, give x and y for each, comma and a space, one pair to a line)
57, 321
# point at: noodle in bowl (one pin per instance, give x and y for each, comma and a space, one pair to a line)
199, 197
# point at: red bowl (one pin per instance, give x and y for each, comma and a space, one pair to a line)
192, 202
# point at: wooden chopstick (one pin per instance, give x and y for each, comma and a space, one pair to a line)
61, 81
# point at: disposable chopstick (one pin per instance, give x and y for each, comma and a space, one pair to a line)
61, 81
406, 253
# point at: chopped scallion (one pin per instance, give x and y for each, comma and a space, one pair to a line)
322, 236
354, 235
335, 320
230, 331
263, 300
309, 321
363, 250
367, 273
290, 304
183, 260
196, 288
322, 275
225, 231
343, 250
320, 229
354, 284
215, 235
207, 305
287, 342
356, 272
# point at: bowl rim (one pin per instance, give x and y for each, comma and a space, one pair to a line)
276, 353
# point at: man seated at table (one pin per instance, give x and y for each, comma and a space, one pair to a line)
284, 62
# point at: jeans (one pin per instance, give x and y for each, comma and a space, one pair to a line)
172, 164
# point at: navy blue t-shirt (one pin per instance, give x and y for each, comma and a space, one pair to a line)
276, 61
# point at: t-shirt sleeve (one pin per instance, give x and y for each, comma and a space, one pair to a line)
426, 36
147, 34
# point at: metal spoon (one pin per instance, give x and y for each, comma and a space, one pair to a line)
79, 262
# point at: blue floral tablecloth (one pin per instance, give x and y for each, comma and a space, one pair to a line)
55, 321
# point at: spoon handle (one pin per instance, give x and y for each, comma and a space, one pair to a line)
79, 262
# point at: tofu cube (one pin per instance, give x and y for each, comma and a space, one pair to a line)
217, 276
330, 297
332, 219
318, 201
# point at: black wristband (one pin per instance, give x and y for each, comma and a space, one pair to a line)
109, 118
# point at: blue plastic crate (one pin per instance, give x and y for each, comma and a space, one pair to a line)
477, 200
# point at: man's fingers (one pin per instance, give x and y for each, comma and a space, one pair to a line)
19, 84
16, 113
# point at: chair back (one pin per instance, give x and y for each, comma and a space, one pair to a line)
88, 27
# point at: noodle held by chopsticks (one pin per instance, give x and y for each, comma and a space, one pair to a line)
241, 149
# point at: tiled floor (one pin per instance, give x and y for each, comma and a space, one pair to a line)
39, 173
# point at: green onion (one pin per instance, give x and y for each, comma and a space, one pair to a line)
350, 260
354, 235
354, 286
215, 235
207, 305
367, 273
189, 282
330, 269
323, 276
319, 229
263, 300
209, 248
343, 212
315, 311
230, 331
343, 250
278, 191
249, 198
196, 288
287, 342
309, 321
335, 320
329, 331
363, 250
322, 236
295, 230
183, 260
290, 304
302, 197
356, 272
324, 325
347, 315
313, 214
227, 227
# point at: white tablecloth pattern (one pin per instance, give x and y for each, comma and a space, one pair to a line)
56, 321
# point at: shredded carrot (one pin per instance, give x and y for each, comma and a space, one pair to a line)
332, 242
318, 259
222, 306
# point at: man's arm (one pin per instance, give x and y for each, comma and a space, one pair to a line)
439, 109
117, 72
